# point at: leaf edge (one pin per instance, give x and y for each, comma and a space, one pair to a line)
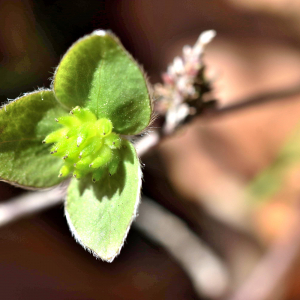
134, 215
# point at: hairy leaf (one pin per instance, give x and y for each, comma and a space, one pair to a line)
100, 214
99, 74
24, 123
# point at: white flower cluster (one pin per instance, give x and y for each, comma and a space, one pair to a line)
179, 82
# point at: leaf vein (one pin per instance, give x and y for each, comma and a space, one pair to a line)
23, 139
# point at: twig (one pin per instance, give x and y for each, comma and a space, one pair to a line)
30, 203
273, 267
206, 271
33, 202
256, 100
147, 142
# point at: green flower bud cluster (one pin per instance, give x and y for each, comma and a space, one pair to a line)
86, 144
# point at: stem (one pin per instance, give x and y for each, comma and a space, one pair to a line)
274, 265
30, 203
147, 142
256, 100
206, 271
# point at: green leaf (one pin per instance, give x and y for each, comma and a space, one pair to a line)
100, 214
271, 179
24, 123
99, 74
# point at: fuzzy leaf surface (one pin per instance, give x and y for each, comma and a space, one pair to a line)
100, 214
99, 74
24, 123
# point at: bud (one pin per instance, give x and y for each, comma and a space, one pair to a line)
84, 114
113, 141
104, 127
98, 174
104, 156
87, 145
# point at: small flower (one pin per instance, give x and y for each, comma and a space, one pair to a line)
181, 84
77, 129
86, 144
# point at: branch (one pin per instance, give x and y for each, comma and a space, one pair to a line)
34, 202
27, 204
30, 203
273, 267
256, 100
147, 142
206, 271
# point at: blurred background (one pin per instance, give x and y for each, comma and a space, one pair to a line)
233, 177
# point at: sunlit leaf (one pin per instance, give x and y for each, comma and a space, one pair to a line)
100, 214
99, 74
24, 123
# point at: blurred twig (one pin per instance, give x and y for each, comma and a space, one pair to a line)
30, 203
206, 271
273, 267
199, 269
147, 142
256, 100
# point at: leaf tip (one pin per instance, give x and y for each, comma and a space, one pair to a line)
99, 32
80, 242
